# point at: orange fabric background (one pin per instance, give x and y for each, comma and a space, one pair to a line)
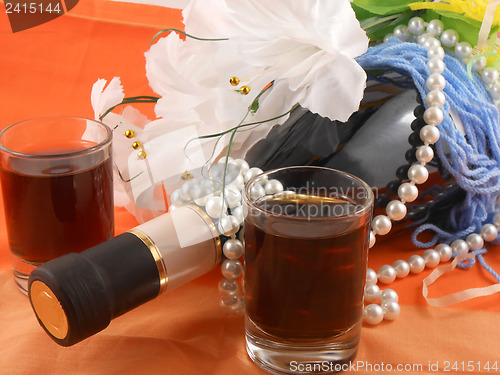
49, 70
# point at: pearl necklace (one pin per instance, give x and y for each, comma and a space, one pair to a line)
418, 174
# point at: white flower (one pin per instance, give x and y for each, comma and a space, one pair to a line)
306, 47
310, 44
103, 99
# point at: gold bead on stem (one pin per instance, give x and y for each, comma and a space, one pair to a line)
234, 81
141, 154
187, 176
136, 145
244, 90
129, 133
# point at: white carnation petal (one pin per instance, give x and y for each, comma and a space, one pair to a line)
104, 98
95, 95
337, 90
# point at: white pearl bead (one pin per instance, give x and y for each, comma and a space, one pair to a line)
431, 257
188, 189
372, 240
197, 192
228, 287
233, 197
417, 263
436, 65
233, 249
381, 225
176, 197
459, 247
463, 50
489, 232
273, 187
256, 192
445, 252
422, 38
430, 134
243, 165
489, 76
228, 225
496, 220
431, 42
495, 91
479, 64
391, 310
371, 293
401, 32
416, 26
402, 268
435, 51
215, 207
386, 274
435, 27
231, 304
436, 81
396, 210
373, 314
238, 214
231, 269
475, 241
433, 115
424, 154
418, 173
388, 295
371, 276
262, 180
407, 192
206, 186
252, 172
449, 38
238, 182
435, 98
387, 37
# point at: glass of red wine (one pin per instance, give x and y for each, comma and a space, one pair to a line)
57, 185
306, 246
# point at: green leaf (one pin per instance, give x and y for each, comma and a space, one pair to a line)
379, 31
254, 107
383, 7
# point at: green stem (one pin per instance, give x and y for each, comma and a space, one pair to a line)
186, 34
130, 100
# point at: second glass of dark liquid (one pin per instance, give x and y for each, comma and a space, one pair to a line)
305, 265
57, 183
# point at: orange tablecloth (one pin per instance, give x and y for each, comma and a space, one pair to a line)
49, 70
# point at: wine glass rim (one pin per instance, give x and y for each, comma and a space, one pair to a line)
361, 208
33, 155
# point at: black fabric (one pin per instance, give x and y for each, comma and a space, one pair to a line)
305, 139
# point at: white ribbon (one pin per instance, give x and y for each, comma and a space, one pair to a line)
489, 17
457, 297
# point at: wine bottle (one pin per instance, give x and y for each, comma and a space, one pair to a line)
78, 294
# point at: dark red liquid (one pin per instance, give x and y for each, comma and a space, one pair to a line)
305, 288
57, 211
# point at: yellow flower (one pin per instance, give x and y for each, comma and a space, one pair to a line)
473, 9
